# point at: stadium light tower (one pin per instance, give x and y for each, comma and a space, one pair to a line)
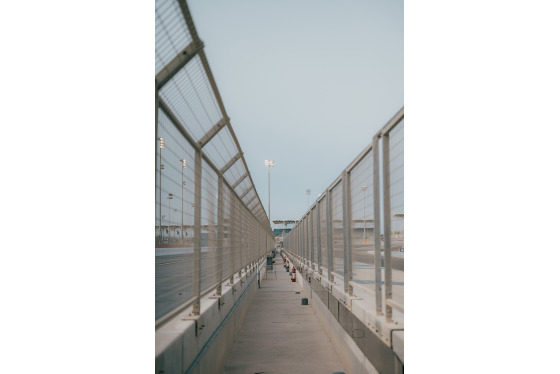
308, 192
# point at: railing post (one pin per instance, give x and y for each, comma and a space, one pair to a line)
302, 235
319, 254
347, 232
242, 232
377, 227
387, 226
300, 239
157, 164
330, 265
302, 255
232, 233
307, 243
197, 229
312, 242
220, 241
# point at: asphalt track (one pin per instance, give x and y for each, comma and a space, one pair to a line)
174, 275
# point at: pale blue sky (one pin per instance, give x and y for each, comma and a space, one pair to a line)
306, 84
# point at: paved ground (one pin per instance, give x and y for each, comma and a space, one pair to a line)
280, 335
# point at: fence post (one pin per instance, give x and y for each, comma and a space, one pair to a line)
157, 164
302, 249
347, 232
387, 226
220, 240
197, 229
377, 227
312, 242
319, 254
330, 265
232, 233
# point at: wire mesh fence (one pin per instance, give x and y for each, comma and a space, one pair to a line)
210, 224
361, 224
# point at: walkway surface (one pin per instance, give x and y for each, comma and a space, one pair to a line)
280, 335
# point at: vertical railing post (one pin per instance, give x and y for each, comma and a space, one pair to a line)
347, 232
242, 232
307, 248
330, 264
220, 241
319, 254
197, 230
304, 238
300, 239
387, 226
232, 234
296, 239
377, 227
156, 161
312, 241
302, 233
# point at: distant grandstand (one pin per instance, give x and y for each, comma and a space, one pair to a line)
284, 229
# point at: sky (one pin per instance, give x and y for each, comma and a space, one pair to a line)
305, 83
481, 161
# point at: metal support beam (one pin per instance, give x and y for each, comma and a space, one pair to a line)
252, 210
377, 227
392, 122
330, 266
312, 247
250, 201
246, 192
158, 165
241, 178
212, 132
220, 241
192, 30
319, 254
178, 124
232, 231
387, 227
175, 65
347, 231
306, 239
197, 230
231, 162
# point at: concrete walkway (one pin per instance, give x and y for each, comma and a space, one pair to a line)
280, 335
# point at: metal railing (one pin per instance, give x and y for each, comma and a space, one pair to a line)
210, 223
355, 229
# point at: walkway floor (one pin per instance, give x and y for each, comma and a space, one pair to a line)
280, 335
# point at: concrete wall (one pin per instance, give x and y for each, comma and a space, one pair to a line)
364, 341
201, 344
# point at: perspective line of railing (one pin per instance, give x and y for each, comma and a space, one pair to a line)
219, 229
358, 223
